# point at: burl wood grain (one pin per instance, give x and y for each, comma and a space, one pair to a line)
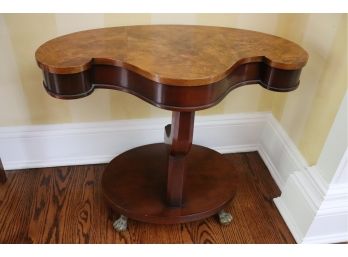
174, 67
178, 55
65, 205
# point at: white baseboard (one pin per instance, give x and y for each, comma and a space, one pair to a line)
73, 144
330, 224
298, 204
313, 212
89, 143
279, 152
289, 220
311, 225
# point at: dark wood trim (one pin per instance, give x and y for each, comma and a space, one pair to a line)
170, 97
3, 177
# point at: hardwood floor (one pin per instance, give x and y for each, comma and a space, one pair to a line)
65, 205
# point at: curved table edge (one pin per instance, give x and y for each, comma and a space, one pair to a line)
171, 97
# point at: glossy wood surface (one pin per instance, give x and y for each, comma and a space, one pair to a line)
134, 184
169, 54
179, 141
65, 205
175, 67
3, 177
175, 98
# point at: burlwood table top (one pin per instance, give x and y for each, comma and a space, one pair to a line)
177, 55
174, 67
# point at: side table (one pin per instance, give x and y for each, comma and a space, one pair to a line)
178, 68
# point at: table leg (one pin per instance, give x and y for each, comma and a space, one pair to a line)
179, 138
3, 177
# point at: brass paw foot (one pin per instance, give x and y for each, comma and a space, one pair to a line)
120, 224
225, 218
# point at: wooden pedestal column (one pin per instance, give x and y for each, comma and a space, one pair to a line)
170, 183
179, 137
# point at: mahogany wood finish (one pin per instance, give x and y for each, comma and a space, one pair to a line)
175, 98
180, 141
178, 68
134, 184
66, 205
3, 177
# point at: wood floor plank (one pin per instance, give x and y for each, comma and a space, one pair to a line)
41, 206
65, 205
261, 176
243, 206
207, 231
258, 213
59, 188
78, 216
85, 209
16, 202
143, 233
265, 191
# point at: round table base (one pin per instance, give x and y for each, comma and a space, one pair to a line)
134, 184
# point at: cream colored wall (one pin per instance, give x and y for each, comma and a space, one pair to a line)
306, 114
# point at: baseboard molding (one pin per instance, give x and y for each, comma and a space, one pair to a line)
330, 224
89, 143
279, 152
289, 219
73, 144
298, 204
313, 212
302, 188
